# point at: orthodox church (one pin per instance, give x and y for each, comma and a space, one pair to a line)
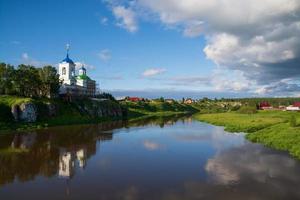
75, 84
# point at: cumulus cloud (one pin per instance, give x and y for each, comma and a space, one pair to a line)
153, 72
105, 55
281, 88
83, 64
258, 39
219, 80
27, 60
126, 18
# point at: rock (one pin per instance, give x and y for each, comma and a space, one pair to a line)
52, 109
15, 112
27, 112
97, 109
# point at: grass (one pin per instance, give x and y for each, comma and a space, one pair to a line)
67, 113
156, 108
72, 113
13, 100
271, 128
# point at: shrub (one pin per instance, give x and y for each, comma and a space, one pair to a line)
5, 113
247, 110
293, 121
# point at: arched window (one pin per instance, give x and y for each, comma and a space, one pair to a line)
64, 71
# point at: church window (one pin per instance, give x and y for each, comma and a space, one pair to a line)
64, 71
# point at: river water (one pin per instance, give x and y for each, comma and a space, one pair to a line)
167, 158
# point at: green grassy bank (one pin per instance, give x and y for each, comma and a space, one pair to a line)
271, 128
66, 114
70, 113
156, 108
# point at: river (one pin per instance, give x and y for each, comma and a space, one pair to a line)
174, 158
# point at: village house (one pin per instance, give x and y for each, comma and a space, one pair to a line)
265, 106
169, 100
294, 107
134, 99
188, 101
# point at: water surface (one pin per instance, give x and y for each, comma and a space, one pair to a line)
171, 158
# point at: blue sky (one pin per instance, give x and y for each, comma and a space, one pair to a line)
133, 47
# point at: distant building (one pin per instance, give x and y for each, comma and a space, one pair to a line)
189, 101
134, 99
75, 84
170, 100
294, 107
265, 106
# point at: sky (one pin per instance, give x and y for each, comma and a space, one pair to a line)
171, 48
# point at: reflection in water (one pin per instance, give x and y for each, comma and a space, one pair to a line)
56, 150
165, 158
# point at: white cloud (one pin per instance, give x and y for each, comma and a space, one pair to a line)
104, 21
153, 72
193, 29
83, 64
126, 18
27, 60
105, 55
258, 40
25, 56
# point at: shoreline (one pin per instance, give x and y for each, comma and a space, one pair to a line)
80, 121
272, 131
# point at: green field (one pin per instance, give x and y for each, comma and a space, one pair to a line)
271, 128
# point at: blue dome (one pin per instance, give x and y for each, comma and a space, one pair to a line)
82, 68
68, 60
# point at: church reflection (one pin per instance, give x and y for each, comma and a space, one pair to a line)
59, 151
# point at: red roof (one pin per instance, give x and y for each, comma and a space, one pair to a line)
135, 99
296, 104
264, 104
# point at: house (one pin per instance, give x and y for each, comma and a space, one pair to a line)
169, 100
294, 107
134, 99
74, 83
265, 106
189, 101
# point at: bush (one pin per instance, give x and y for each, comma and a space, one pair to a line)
293, 121
247, 110
5, 113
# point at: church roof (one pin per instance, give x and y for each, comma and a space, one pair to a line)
82, 68
83, 77
68, 60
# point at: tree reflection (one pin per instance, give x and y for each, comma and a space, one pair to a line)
58, 151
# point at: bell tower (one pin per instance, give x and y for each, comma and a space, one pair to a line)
67, 69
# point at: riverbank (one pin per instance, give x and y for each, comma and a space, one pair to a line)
17, 113
270, 128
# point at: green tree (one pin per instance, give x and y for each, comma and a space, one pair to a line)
6, 77
49, 81
27, 81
